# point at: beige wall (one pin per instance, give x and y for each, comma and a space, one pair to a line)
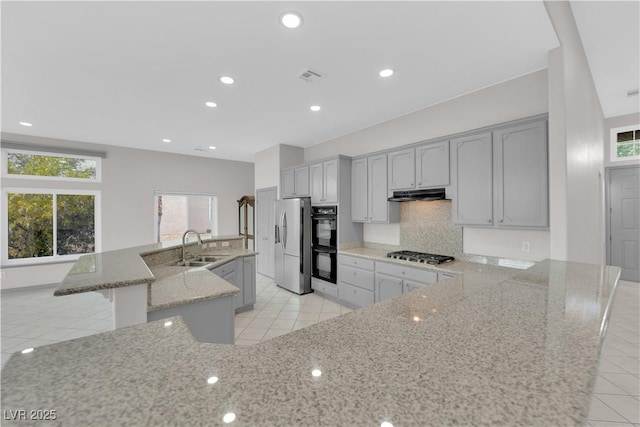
129, 179
578, 130
514, 99
267, 168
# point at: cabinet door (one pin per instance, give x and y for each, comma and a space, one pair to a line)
301, 176
473, 201
387, 287
359, 193
401, 169
520, 173
408, 286
317, 186
377, 180
249, 290
331, 181
432, 165
287, 183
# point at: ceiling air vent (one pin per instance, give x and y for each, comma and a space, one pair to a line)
632, 92
311, 76
200, 149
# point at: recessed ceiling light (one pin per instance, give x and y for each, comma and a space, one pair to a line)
27, 124
227, 80
211, 147
291, 20
315, 108
211, 104
387, 72
166, 140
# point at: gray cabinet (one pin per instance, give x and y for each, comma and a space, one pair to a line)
369, 191
473, 180
249, 280
520, 176
294, 182
387, 287
324, 182
500, 179
401, 165
394, 279
355, 281
432, 165
241, 273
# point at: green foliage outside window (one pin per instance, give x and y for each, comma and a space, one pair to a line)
41, 165
30, 225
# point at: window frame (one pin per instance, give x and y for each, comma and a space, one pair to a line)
7, 175
613, 143
53, 259
156, 193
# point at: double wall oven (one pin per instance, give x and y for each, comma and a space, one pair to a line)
324, 241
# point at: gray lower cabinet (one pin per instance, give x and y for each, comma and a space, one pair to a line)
521, 176
473, 180
355, 281
394, 279
432, 165
241, 273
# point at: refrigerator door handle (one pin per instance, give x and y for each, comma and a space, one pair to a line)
276, 236
284, 229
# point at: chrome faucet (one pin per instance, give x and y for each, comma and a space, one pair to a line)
184, 241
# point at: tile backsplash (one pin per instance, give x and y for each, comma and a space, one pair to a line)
427, 227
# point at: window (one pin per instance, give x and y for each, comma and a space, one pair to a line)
49, 225
625, 143
176, 213
42, 224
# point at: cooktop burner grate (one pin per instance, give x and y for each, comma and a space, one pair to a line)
420, 257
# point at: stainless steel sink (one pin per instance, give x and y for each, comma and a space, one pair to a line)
208, 258
191, 263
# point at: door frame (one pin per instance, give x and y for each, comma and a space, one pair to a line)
607, 201
258, 231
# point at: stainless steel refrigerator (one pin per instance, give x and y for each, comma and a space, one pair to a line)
293, 244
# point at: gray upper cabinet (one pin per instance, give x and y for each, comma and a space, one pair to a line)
521, 176
401, 169
473, 180
324, 182
500, 179
359, 190
294, 182
369, 191
432, 165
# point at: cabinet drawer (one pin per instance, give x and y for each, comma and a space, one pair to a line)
353, 261
356, 277
354, 296
415, 274
445, 276
225, 269
324, 287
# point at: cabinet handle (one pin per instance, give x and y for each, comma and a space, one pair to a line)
419, 183
500, 220
489, 220
355, 274
403, 273
411, 183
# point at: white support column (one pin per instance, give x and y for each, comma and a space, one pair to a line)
129, 305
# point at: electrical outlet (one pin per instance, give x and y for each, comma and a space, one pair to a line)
526, 247
225, 244
3, 274
213, 244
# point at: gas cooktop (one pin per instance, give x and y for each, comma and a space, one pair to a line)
420, 257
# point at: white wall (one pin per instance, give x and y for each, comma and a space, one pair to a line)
581, 136
617, 122
514, 99
129, 179
267, 168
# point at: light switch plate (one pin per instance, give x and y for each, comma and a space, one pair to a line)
526, 247
225, 244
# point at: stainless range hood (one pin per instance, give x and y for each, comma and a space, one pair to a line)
413, 195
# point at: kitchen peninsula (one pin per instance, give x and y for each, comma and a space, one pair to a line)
490, 346
153, 282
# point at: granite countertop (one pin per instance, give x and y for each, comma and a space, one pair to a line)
491, 346
176, 286
118, 268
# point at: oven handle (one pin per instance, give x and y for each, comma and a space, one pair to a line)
324, 216
324, 251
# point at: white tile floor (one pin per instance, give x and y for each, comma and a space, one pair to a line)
34, 318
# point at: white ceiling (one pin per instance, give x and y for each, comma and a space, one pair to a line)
610, 33
133, 73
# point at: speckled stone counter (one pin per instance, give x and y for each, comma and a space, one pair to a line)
491, 346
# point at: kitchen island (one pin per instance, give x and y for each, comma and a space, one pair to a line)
491, 346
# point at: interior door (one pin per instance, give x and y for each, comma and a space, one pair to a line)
624, 218
265, 200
